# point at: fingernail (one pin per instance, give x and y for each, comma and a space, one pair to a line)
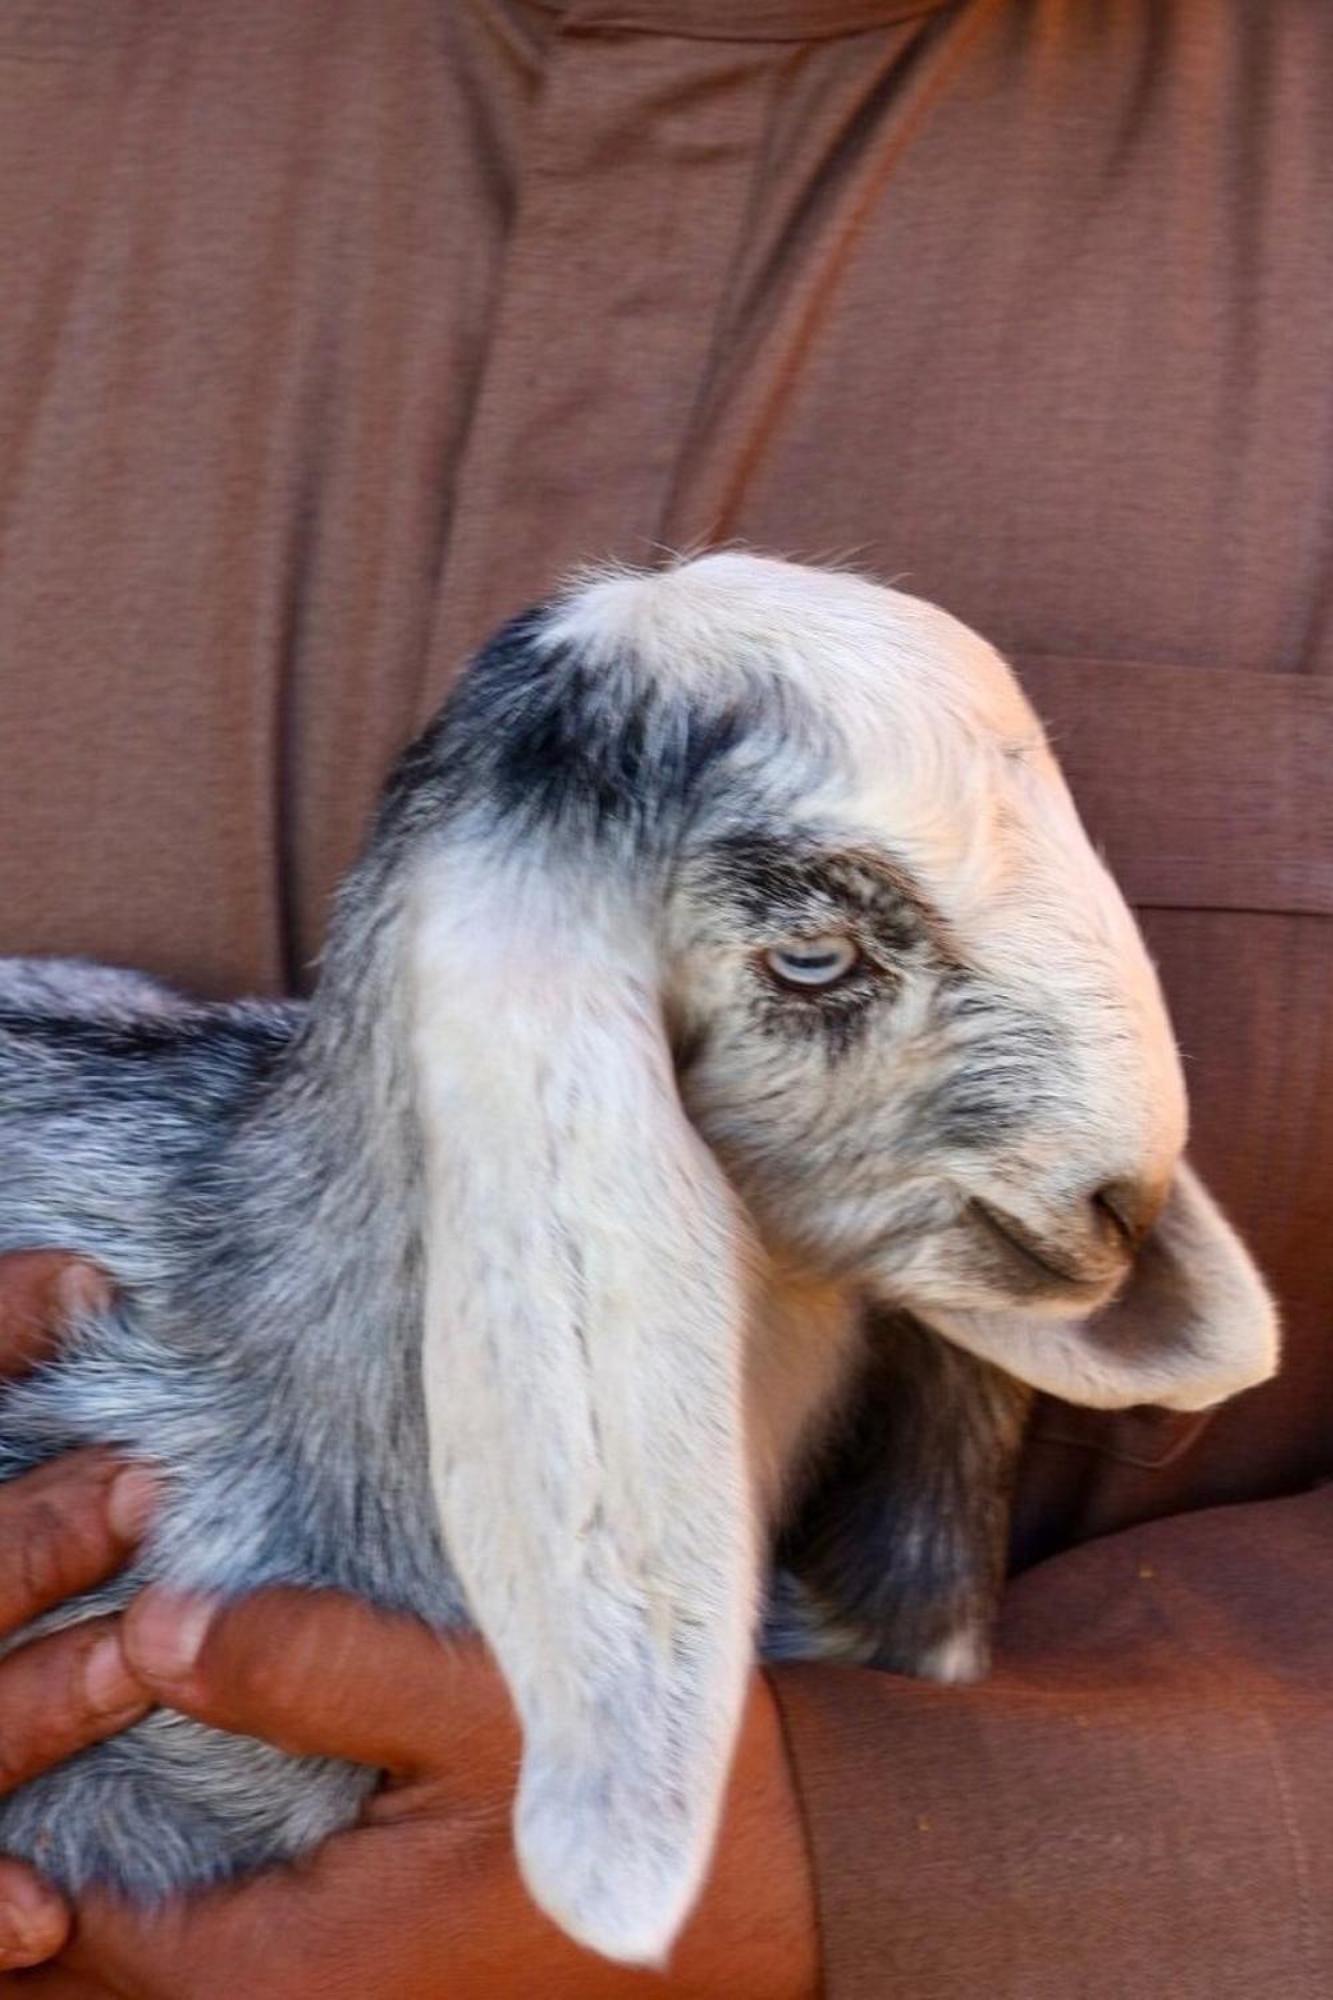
164, 1635
32, 1942
32, 1924
108, 1684
131, 1502
81, 1291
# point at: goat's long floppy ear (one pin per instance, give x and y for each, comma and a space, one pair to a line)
582, 1361
1194, 1324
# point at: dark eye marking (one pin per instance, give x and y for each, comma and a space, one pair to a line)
805, 907
784, 888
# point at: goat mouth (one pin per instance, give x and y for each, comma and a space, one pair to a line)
1035, 1256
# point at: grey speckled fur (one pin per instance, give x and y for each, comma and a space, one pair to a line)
282, 1407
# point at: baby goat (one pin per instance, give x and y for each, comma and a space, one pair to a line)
727, 1003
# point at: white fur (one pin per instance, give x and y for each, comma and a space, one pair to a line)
956, 1662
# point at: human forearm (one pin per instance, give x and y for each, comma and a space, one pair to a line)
1139, 1801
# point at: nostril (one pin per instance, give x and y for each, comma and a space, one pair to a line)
1131, 1207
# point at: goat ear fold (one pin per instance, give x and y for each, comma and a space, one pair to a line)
583, 1382
1194, 1324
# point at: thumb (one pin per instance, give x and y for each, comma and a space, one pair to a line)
321, 1674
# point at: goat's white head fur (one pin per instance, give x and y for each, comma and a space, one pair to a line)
652, 1158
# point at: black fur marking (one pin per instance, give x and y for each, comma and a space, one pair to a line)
902, 1535
837, 1016
1016, 1070
535, 737
214, 1052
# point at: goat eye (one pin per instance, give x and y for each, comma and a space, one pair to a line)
812, 962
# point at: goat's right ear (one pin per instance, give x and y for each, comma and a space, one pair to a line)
1194, 1324
584, 1304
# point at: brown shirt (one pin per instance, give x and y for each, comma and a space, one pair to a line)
331, 332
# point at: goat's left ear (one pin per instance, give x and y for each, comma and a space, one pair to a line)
582, 1361
1194, 1324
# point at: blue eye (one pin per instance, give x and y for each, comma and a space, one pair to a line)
812, 963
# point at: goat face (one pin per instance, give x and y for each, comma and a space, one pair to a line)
912, 1014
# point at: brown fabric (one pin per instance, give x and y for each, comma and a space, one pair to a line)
1140, 1808
332, 331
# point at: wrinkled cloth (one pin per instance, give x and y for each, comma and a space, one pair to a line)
332, 333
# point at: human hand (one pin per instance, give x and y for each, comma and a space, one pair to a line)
62, 1529
423, 1897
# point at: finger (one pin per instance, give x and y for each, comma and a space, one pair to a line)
62, 1693
34, 1920
66, 1527
321, 1674
41, 1291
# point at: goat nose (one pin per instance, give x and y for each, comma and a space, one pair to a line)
1131, 1207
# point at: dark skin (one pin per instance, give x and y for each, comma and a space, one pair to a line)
423, 1897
